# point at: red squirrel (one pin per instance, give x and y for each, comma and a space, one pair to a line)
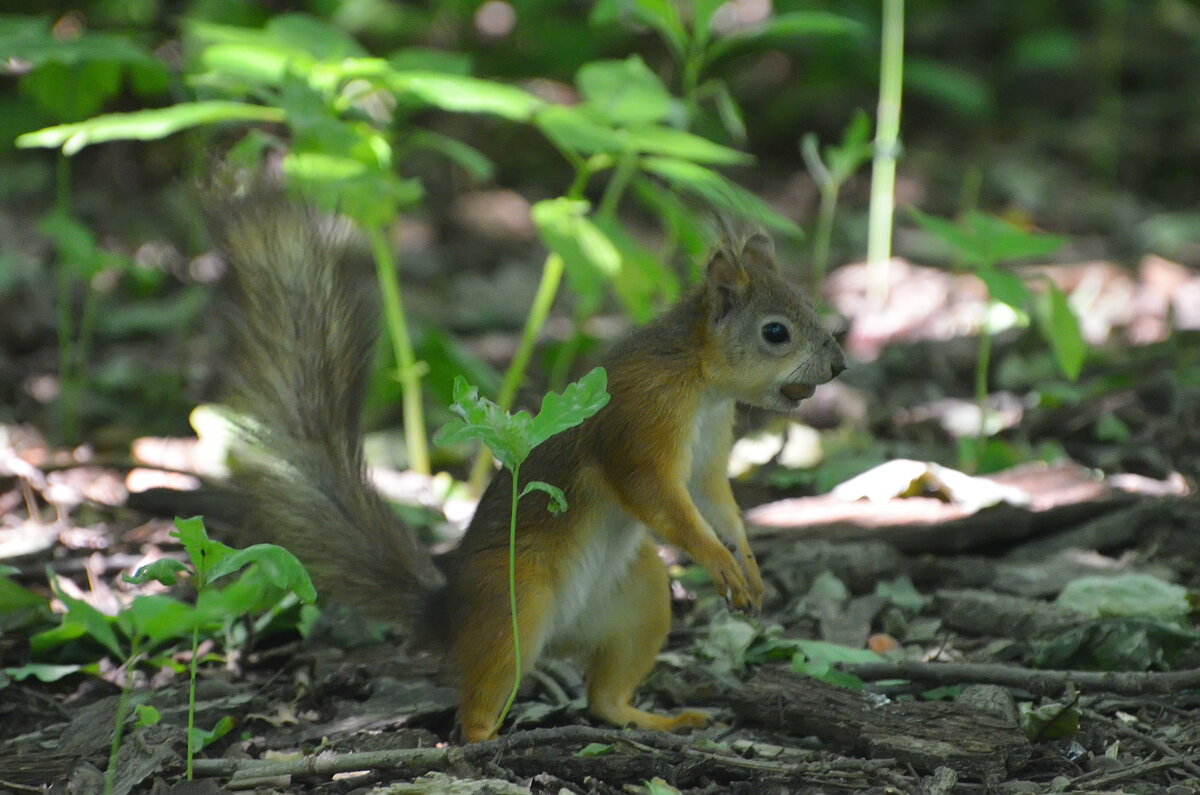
649, 465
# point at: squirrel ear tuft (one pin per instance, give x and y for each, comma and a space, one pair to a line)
726, 279
760, 248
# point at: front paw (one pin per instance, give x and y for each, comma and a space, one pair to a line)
754, 580
729, 577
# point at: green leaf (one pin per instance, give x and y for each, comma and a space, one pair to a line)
158, 618
75, 243
1051, 721
20, 608
473, 161
466, 94
986, 241
147, 715
956, 89
954, 236
576, 129
1060, 326
729, 111
656, 786
427, 59
146, 125
1005, 287
43, 672
658, 140
558, 501
643, 281
903, 594
577, 402
314, 36
784, 29
274, 565
509, 437
30, 39
624, 92
1142, 595
820, 651
1002, 241
369, 192
661, 15
589, 257
727, 642
164, 570
202, 738
826, 672
1117, 644
594, 749
79, 620
202, 551
854, 150
720, 192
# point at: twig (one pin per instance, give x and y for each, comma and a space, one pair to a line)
1167, 751
1101, 778
1038, 682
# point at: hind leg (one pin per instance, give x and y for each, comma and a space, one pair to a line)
638, 618
483, 654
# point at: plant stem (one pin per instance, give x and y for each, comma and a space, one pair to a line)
982, 364
68, 382
119, 727
408, 370
887, 130
512, 599
824, 234
192, 699
552, 272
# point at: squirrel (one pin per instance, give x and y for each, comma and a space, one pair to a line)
650, 463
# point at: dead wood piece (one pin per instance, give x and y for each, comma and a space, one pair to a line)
634, 758
1037, 682
990, 614
927, 735
1059, 497
1112, 530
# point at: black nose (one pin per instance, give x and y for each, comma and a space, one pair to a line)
838, 365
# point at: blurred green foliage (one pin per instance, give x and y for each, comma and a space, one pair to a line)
1070, 112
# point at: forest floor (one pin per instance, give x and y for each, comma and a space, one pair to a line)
989, 680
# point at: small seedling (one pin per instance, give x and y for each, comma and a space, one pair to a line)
830, 173
511, 438
982, 242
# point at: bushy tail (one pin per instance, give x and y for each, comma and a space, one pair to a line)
304, 324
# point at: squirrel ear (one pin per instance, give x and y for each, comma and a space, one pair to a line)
726, 279
760, 248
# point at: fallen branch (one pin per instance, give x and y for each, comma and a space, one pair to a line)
635, 756
1037, 682
926, 735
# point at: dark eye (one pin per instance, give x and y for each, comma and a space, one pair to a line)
775, 333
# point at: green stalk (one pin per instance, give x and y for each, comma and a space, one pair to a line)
119, 728
887, 131
192, 699
407, 369
982, 364
552, 273
824, 234
68, 382
512, 599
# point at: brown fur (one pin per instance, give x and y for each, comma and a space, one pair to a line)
589, 582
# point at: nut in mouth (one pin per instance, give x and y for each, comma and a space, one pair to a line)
797, 392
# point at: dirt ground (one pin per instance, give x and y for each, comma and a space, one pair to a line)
956, 583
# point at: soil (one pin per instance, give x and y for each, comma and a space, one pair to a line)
955, 578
